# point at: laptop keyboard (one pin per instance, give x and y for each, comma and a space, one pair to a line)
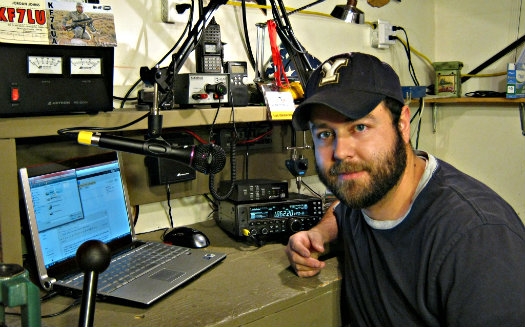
129, 266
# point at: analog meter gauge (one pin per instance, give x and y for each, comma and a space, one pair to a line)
44, 65
86, 66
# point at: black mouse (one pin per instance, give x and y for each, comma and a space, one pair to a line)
187, 237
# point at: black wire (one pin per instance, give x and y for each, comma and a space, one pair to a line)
67, 131
409, 55
71, 306
51, 315
304, 7
186, 29
136, 218
213, 204
247, 36
233, 158
168, 199
311, 189
418, 114
419, 123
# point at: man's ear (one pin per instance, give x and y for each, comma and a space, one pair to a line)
404, 123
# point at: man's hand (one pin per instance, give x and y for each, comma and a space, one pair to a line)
303, 251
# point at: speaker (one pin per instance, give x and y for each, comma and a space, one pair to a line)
165, 171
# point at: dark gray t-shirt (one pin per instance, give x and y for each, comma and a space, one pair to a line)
456, 259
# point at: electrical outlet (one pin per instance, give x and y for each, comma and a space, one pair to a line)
380, 36
171, 11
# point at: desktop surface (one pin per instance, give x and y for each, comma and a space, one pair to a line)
253, 286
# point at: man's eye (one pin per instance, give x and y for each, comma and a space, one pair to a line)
360, 127
324, 135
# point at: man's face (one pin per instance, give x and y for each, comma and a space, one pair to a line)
359, 161
80, 9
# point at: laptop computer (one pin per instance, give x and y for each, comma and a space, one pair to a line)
83, 199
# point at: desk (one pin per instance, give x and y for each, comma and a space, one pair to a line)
251, 287
13, 129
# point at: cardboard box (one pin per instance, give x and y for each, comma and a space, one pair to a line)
515, 80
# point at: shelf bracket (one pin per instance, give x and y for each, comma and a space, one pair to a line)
521, 108
434, 118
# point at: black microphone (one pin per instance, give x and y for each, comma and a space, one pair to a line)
204, 158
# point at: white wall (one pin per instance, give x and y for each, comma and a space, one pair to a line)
484, 141
143, 38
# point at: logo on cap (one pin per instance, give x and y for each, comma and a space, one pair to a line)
330, 71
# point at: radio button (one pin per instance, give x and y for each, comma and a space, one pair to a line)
295, 225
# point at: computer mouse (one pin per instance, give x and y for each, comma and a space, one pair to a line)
187, 237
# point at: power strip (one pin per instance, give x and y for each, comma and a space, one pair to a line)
256, 137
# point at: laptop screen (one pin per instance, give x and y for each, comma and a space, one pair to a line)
75, 201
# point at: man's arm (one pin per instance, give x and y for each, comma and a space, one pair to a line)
304, 247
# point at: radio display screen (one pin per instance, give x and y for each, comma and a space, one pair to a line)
280, 211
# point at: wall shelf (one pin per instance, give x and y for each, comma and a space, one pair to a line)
16, 128
472, 100
435, 101
20, 127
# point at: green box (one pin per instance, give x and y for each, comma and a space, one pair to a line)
448, 78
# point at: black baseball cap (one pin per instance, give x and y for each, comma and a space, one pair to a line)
350, 83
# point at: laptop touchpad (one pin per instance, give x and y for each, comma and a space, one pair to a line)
167, 275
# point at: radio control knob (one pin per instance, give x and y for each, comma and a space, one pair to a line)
219, 88
253, 231
264, 231
295, 225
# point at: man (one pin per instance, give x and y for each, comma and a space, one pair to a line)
424, 244
79, 22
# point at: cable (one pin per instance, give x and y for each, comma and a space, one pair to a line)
255, 139
67, 131
409, 55
494, 58
289, 9
233, 157
418, 53
311, 189
136, 214
419, 113
66, 309
51, 315
168, 201
247, 36
252, 237
186, 29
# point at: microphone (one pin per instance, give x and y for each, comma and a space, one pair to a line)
204, 158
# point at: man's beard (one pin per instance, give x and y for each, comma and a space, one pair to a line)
384, 173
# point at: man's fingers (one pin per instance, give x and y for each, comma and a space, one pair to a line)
306, 271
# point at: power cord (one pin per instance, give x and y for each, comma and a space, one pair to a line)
486, 94
408, 51
69, 131
409, 54
252, 237
186, 29
51, 315
233, 154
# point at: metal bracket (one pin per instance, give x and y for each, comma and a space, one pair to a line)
521, 108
